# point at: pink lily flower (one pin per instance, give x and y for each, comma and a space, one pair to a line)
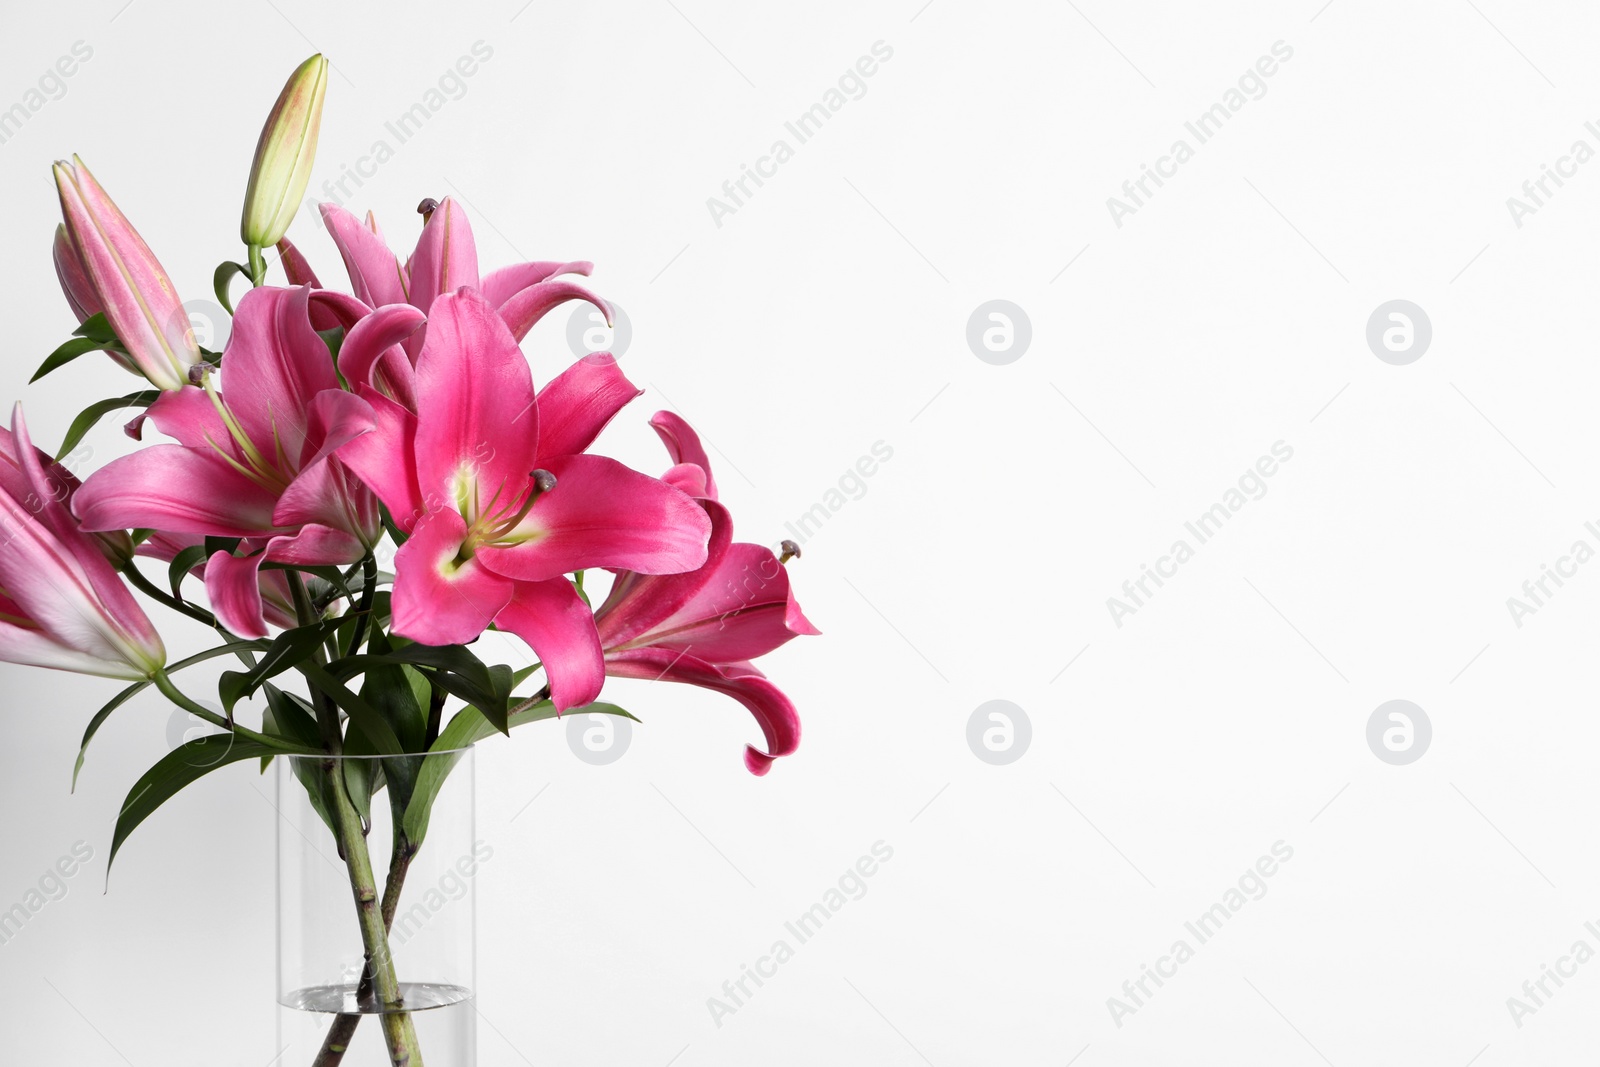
62, 604
127, 281
277, 598
445, 259
499, 510
255, 461
705, 626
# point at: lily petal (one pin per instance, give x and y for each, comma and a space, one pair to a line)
233, 585
386, 459
275, 364
75, 285
138, 299
744, 609
477, 435
638, 603
773, 711
603, 514
169, 487
576, 404
295, 267
446, 257
375, 273
558, 625
372, 336
322, 491
683, 445
527, 306
501, 285
438, 598
189, 417
50, 501
687, 477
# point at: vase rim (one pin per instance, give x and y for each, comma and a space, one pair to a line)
378, 756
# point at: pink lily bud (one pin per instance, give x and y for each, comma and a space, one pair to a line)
124, 274
74, 282
284, 155
61, 603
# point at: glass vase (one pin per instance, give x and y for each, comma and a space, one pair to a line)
376, 930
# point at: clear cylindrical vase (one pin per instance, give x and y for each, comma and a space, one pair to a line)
376, 954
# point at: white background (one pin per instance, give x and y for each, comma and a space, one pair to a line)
829, 313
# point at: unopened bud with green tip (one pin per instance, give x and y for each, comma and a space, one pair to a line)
128, 283
284, 154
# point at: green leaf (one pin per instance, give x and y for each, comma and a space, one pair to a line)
334, 339
182, 564
98, 410
359, 773
180, 767
286, 651
137, 687
99, 718
288, 716
222, 277
389, 691
213, 545
66, 353
362, 714
97, 328
229, 649
453, 668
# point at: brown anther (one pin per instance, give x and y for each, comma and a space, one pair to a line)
790, 551
426, 209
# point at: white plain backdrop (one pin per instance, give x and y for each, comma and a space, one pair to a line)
829, 313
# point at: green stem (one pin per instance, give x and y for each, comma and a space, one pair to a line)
343, 1027
178, 697
155, 592
258, 266
369, 589
398, 1029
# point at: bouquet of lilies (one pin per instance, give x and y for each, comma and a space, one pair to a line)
397, 421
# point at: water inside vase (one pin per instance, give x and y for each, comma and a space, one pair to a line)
344, 999
442, 1014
